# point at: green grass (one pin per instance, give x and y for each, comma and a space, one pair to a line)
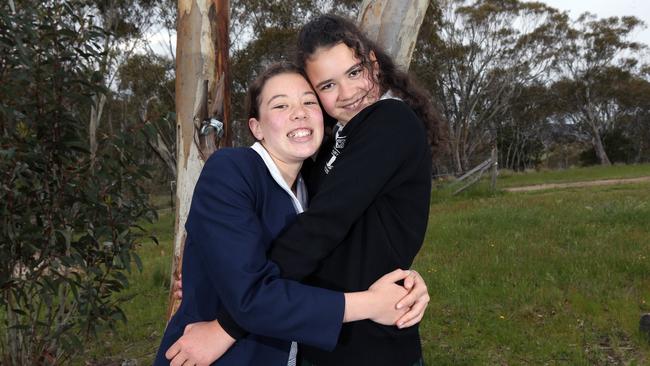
541, 278
511, 179
558, 278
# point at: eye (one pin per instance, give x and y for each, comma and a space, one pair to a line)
279, 106
326, 86
311, 102
356, 72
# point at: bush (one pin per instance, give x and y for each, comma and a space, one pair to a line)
68, 223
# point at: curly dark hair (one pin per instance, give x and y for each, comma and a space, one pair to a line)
328, 30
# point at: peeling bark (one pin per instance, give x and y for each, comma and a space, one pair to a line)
394, 25
201, 60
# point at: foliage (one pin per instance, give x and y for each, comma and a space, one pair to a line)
482, 54
138, 340
144, 102
68, 233
597, 58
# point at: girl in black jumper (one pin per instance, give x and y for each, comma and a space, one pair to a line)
371, 185
370, 188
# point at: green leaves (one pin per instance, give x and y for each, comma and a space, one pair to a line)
67, 232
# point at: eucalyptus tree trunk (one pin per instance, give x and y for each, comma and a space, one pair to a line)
394, 25
202, 84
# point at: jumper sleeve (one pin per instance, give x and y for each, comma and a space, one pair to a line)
390, 135
224, 225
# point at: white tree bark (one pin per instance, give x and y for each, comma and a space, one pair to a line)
202, 50
96, 111
394, 25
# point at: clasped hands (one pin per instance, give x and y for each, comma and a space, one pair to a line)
203, 343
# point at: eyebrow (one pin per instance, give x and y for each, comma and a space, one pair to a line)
286, 96
317, 86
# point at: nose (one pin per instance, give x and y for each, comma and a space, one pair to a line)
346, 91
299, 113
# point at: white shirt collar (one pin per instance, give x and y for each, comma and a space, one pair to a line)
299, 200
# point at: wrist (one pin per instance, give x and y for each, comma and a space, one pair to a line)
221, 333
358, 306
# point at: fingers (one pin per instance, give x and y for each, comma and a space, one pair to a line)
413, 280
396, 275
418, 290
415, 313
409, 281
179, 360
408, 300
173, 350
178, 288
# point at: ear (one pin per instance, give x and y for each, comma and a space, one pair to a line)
375, 64
372, 56
256, 129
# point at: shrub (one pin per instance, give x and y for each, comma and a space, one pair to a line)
68, 223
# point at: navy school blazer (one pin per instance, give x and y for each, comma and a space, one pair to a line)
237, 210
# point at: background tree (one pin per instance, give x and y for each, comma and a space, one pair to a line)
123, 24
68, 227
481, 54
145, 101
595, 51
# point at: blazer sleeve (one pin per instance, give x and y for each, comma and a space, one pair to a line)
391, 135
224, 225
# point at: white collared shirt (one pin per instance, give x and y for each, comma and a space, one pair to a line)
300, 198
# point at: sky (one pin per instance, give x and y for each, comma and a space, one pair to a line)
602, 8
609, 8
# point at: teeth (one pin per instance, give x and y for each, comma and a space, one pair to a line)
353, 105
299, 133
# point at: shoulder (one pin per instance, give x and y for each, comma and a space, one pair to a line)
391, 116
232, 155
237, 158
232, 165
392, 106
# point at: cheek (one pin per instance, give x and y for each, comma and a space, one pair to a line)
327, 100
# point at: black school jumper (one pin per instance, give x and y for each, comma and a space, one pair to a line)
367, 216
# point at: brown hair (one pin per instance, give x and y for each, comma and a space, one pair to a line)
329, 30
255, 88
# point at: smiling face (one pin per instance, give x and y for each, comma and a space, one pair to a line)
290, 122
343, 84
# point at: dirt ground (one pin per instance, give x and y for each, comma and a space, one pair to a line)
606, 182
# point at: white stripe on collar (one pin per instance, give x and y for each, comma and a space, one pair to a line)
299, 200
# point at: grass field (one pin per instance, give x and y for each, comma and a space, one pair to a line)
550, 278
545, 278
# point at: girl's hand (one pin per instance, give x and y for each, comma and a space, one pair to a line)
417, 300
385, 294
202, 343
177, 288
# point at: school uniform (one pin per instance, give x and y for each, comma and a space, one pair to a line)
237, 208
368, 214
